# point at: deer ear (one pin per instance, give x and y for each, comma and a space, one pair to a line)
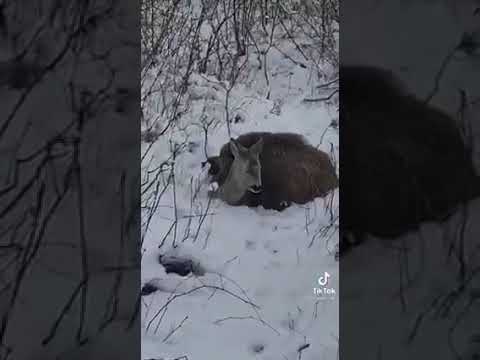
256, 148
234, 148
237, 148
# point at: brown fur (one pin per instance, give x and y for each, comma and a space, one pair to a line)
403, 161
291, 170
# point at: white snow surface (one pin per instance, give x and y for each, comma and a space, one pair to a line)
256, 299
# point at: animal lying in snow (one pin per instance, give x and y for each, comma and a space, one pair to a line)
403, 161
272, 170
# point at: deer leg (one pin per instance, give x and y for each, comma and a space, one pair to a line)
270, 202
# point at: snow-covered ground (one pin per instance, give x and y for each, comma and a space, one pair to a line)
254, 296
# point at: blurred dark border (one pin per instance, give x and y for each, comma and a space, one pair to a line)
394, 303
69, 179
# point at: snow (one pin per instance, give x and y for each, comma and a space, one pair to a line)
417, 295
256, 299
